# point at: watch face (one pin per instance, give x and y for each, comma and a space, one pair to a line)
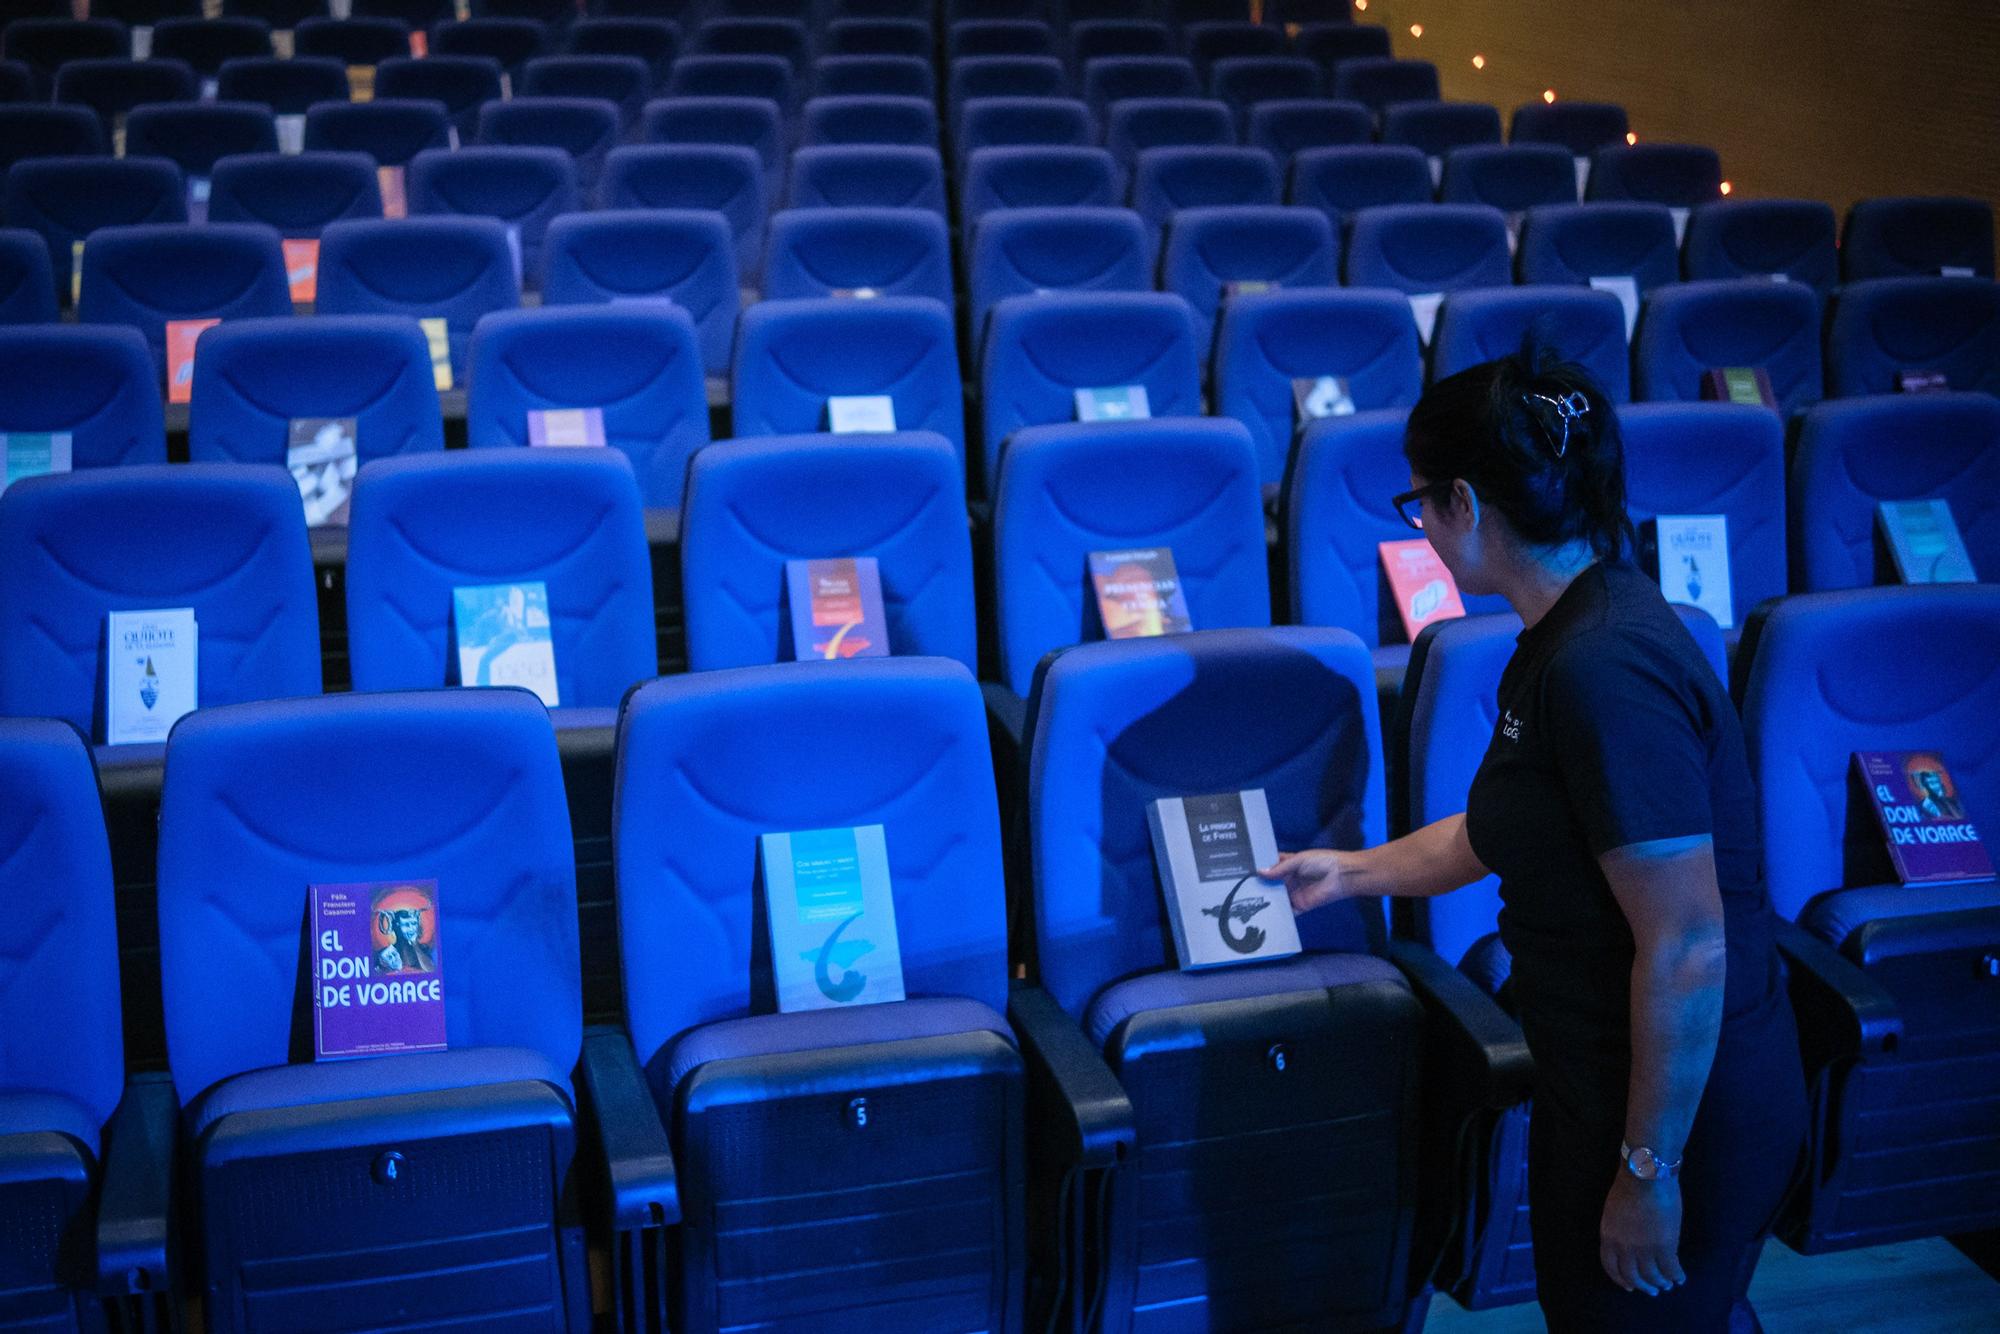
1642, 1164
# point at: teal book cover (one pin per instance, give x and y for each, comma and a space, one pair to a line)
504, 638
832, 918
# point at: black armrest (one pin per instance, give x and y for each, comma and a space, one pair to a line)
1478, 1039
1093, 1115
1843, 1013
134, 1210
638, 1157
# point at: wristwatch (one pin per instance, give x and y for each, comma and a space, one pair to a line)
1646, 1165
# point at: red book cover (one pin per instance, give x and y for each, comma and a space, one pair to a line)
302, 268
1421, 585
1931, 839
181, 336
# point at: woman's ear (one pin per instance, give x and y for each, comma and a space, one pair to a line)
1463, 493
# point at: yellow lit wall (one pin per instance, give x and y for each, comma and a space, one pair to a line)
1824, 99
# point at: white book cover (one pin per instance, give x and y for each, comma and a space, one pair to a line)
504, 638
32, 454
1924, 542
1680, 217
1424, 308
852, 414
1694, 563
1208, 849
1626, 288
321, 455
1582, 174
153, 669
832, 918
1125, 402
1317, 396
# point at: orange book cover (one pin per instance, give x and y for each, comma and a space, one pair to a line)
1420, 583
181, 336
302, 268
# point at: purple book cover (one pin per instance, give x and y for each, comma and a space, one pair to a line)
378, 984
1931, 839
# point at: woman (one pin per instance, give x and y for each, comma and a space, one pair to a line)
1615, 803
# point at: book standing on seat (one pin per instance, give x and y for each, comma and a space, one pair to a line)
152, 673
854, 414
832, 918
836, 608
1139, 593
1739, 384
1693, 562
322, 459
1931, 839
1318, 396
1923, 542
566, 427
378, 977
1208, 849
1127, 402
182, 336
1419, 585
32, 454
503, 638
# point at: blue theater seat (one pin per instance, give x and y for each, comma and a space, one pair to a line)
1714, 458
1208, 250
1284, 128
205, 43
753, 505
1208, 43
45, 45
942, 1066
1184, 1233
1139, 123
1245, 81
721, 178
511, 41
684, 255
1020, 252
195, 136
149, 276
1003, 122
288, 87
228, 541
996, 178
586, 128
1336, 516
1681, 176
379, 788
655, 41
895, 76
1580, 127
254, 378
64, 200
352, 41
554, 14
416, 13
1040, 350
756, 123
623, 81
1897, 238
280, 14
570, 519
866, 176
1165, 180
1854, 454
30, 130
1437, 128
904, 38
95, 384
1583, 243
390, 130
522, 187
17, 82
450, 268
821, 252
1689, 329
999, 37
1002, 76
296, 194
27, 285
1883, 327
792, 356
1893, 1006
910, 121
1512, 178
1761, 238
1111, 79
463, 83
786, 39
1328, 44
918, 10
113, 87
1585, 326
1067, 490
1429, 250
1343, 180
1110, 39
1265, 341
61, 1084
1379, 82
734, 76
637, 363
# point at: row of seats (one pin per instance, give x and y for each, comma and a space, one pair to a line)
428, 520
709, 1095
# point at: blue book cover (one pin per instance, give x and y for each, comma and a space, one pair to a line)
504, 638
152, 660
836, 608
832, 918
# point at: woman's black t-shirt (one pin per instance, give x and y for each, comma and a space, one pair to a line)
1613, 730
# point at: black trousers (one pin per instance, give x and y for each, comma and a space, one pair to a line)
1743, 1151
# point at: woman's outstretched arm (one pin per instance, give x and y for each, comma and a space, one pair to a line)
1433, 860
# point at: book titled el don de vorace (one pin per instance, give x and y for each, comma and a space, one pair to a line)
1931, 838
378, 976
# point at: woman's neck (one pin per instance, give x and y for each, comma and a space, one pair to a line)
1536, 580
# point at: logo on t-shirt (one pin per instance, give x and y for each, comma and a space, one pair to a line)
1510, 726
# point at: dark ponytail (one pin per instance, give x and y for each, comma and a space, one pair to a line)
1535, 438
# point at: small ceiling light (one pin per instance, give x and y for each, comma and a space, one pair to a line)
1726, 187
1548, 94
1479, 62
1416, 30
1630, 138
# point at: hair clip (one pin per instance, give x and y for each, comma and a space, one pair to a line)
1571, 407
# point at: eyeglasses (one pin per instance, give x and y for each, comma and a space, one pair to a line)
1410, 504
